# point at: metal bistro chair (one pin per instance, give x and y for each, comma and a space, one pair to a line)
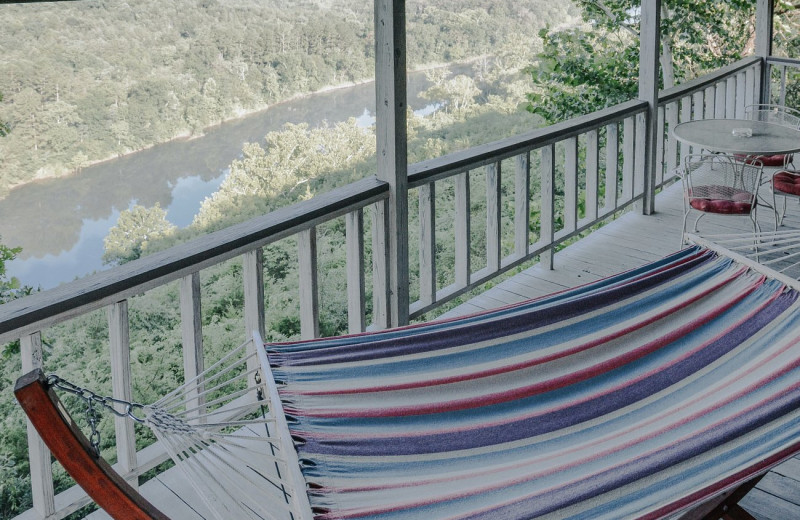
718, 184
780, 115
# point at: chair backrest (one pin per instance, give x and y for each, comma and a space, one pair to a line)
721, 180
779, 114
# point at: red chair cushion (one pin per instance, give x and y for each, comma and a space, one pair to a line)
721, 199
766, 160
786, 182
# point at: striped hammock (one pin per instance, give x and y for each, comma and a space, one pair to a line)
637, 396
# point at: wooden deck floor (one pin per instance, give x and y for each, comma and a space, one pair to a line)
628, 242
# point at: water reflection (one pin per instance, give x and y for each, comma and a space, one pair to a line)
60, 223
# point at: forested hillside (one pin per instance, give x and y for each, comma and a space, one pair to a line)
85, 81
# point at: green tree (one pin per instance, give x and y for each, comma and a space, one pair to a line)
134, 231
595, 65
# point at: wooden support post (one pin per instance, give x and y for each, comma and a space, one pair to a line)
356, 301
650, 42
570, 184
592, 174
38, 454
764, 20
192, 336
391, 134
121, 388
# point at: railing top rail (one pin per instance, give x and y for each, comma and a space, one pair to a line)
786, 61
677, 92
426, 171
42, 309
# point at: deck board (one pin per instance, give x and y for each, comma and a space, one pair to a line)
630, 241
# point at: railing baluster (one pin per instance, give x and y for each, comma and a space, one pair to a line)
522, 207
719, 103
41, 468
659, 174
380, 264
710, 97
119, 336
462, 261
741, 91
784, 69
427, 243
356, 300
612, 166
547, 216
592, 173
730, 98
493, 173
192, 339
749, 87
686, 115
672, 143
628, 149
570, 184
309, 299
254, 313
640, 125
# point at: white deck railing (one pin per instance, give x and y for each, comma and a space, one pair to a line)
573, 175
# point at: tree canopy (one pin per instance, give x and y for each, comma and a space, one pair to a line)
583, 69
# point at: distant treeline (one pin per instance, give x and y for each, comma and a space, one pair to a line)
85, 81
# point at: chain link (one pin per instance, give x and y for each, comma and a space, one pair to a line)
93, 400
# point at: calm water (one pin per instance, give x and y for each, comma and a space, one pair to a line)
60, 223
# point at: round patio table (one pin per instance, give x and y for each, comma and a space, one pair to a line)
717, 135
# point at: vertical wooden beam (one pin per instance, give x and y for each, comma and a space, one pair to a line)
612, 166
391, 133
463, 250
628, 160
309, 292
356, 301
254, 313
547, 215
672, 143
592, 174
522, 205
380, 264
119, 336
570, 184
427, 243
765, 10
493, 216
660, 145
38, 455
192, 338
649, 49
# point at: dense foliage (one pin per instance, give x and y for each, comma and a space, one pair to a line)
85, 81
583, 69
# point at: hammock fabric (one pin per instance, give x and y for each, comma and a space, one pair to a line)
633, 397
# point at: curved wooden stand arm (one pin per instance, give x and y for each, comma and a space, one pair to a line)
73, 450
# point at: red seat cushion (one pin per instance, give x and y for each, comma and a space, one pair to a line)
786, 182
766, 160
721, 199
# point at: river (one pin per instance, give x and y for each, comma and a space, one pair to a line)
60, 223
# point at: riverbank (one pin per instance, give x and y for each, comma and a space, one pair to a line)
187, 135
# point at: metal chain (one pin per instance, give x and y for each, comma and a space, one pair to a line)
92, 399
